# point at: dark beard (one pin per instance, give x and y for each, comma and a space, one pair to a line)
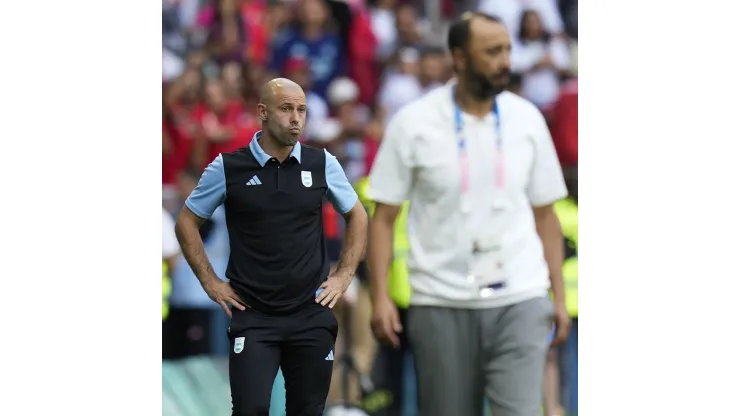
480, 86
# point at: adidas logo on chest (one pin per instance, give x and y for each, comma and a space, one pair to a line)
254, 181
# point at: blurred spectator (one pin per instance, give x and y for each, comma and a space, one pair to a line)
515, 84
314, 41
403, 86
342, 17
279, 17
255, 17
563, 117
384, 27
569, 10
343, 97
179, 28
573, 48
227, 37
540, 58
510, 11
225, 125
170, 250
434, 70
373, 136
297, 69
179, 126
253, 76
353, 315
170, 247
233, 82
362, 47
172, 65
407, 25
192, 312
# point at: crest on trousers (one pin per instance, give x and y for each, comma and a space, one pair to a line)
238, 345
306, 179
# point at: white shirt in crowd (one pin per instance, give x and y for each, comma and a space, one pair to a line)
383, 23
170, 246
397, 91
418, 161
540, 86
510, 12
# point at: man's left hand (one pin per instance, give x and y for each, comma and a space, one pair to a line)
333, 288
562, 324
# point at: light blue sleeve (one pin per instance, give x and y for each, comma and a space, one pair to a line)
211, 190
341, 193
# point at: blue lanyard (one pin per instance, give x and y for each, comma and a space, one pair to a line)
464, 163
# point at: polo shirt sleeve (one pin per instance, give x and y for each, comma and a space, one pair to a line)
341, 193
211, 190
391, 175
546, 183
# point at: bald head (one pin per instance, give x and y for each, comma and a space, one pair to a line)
278, 87
282, 109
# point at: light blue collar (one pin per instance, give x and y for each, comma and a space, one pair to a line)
263, 157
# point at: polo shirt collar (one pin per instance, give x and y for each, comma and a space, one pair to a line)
263, 157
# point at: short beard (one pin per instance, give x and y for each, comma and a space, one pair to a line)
478, 85
284, 139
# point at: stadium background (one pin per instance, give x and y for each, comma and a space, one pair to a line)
359, 61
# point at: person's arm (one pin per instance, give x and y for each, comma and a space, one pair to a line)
546, 187
380, 248
390, 186
548, 228
344, 199
199, 206
390, 183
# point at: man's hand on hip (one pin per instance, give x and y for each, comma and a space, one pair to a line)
333, 288
222, 293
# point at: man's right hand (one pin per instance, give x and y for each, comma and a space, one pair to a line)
222, 293
386, 322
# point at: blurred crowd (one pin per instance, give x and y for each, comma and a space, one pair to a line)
359, 61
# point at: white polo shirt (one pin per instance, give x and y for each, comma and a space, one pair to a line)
418, 161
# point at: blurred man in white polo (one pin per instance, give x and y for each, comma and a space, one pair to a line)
479, 170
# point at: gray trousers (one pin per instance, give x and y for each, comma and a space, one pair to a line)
464, 355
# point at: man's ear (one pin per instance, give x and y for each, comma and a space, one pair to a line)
458, 60
262, 111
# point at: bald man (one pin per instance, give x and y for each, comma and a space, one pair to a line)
280, 291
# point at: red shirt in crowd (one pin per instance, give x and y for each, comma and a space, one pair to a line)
362, 65
240, 123
564, 124
254, 16
182, 128
169, 171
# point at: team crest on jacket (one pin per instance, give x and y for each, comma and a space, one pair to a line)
238, 344
306, 179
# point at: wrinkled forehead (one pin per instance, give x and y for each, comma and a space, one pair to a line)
289, 95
